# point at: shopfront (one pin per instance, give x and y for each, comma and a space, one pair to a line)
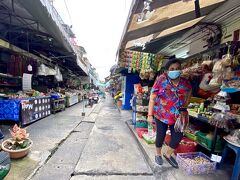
208, 47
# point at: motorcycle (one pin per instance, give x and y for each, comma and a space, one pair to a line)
95, 98
90, 102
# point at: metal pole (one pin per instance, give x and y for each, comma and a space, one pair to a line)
83, 113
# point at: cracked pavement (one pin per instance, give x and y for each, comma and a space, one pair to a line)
69, 146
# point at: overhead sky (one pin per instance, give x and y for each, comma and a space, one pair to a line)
98, 25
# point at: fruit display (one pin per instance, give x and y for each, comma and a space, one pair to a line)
26, 94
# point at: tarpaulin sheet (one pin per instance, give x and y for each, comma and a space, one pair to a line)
10, 110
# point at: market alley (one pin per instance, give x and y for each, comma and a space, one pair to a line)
98, 145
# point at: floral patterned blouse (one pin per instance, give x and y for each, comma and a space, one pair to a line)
169, 98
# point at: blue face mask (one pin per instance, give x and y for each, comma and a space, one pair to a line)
174, 74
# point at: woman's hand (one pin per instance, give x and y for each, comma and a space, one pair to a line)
150, 108
150, 119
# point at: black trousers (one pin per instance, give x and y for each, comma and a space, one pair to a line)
162, 128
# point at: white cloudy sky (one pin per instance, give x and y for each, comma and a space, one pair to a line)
98, 25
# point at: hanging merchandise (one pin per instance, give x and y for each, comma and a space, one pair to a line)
58, 75
27, 82
134, 61
157, 64
222, 70
146, 64
227, 59
138, 63
30, 68
43, 70
236, 62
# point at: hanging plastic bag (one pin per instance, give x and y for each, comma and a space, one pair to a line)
42, 70
182, 121
217, 79
58, 75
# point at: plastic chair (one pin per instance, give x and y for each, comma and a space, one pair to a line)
236, 168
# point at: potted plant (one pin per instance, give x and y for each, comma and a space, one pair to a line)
19, 145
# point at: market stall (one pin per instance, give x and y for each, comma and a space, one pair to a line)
58, 105
26, 110
58, 102
71, 98
209, 50
214, 110
138, 66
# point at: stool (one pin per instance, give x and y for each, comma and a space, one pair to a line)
236, 168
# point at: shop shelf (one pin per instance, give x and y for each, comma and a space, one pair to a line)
141, 131
207, 143
190, 136
141, 124
196, 100
230, 89
192, 113
215, 151
10, 85
10, 76
200, 118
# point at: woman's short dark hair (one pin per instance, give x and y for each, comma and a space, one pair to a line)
172, 61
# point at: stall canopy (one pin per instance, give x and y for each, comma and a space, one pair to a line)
214, 29
159, 23
36, 27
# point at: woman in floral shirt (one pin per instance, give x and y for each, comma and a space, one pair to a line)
170, 94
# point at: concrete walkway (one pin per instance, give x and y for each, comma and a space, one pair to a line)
47, 135
111, 152
68, 146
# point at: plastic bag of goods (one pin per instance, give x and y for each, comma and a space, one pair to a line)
149, 139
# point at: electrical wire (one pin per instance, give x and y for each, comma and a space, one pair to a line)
215, 20
70, 19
